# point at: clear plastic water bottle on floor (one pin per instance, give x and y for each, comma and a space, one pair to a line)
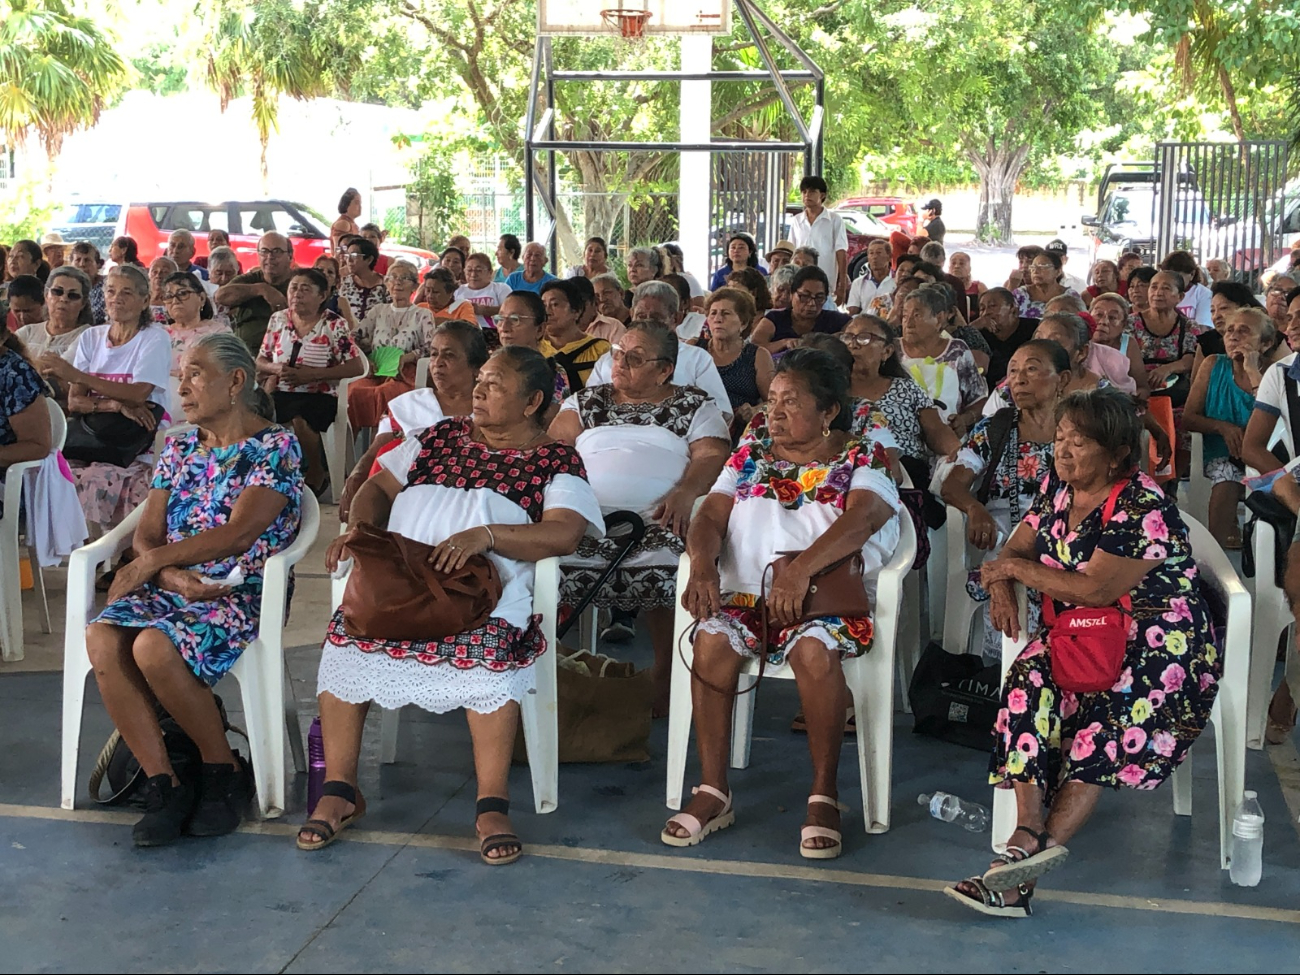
1246, 865
952, 809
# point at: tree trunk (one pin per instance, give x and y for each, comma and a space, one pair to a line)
999, 168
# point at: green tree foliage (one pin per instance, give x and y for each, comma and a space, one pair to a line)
57, 70
268, 49
1237, 54
433, 189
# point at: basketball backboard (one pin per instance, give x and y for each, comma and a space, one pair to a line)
665, 16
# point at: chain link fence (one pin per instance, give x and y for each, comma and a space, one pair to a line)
492, 195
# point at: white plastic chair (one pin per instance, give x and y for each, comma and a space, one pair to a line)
959, 609
11, 605
870, 679
1273, 618
336, 441
261, 670
539, 711
1197, 502
1228, 714
422, 372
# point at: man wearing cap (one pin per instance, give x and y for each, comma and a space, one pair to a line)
822, 230
780, 255
52, 249
875, 280
1068, 280
931, 221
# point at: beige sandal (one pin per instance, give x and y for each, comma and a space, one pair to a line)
822, 832
696, 830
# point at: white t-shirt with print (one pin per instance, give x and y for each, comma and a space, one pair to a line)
147, 358
494, 294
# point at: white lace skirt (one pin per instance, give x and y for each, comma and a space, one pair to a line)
355, 676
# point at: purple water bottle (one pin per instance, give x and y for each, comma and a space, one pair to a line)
315, 764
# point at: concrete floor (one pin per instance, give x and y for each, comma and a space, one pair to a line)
597, 891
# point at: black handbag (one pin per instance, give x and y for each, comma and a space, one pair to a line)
955, 697
126, 779
108, 438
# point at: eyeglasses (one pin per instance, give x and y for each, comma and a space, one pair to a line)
860, 341
639, 265
513, 320
1042, 267
61, 293
178, 295
805, 296
273, 252
634, 360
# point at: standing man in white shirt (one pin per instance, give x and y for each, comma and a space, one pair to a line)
875, 280
824, 231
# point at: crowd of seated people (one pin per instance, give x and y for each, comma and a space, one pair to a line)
784, 410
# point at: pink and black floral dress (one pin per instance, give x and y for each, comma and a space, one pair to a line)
781, 507
1136, 733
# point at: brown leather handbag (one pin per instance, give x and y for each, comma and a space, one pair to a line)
394, 592
837, 590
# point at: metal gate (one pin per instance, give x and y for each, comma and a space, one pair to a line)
748, 194
1221, 200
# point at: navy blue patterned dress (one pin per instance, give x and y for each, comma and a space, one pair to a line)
20, 387
203, 485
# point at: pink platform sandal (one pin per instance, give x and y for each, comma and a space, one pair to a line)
695, 829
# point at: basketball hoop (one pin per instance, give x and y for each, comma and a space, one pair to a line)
630, 23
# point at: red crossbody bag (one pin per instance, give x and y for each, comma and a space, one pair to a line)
1088, 644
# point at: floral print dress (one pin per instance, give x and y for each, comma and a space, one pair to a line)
203, 485
362, 300
780, 507
1136, 733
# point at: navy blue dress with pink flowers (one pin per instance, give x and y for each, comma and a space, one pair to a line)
1136, 733
203, 485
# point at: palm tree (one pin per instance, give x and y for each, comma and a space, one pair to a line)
273, 48
57, 69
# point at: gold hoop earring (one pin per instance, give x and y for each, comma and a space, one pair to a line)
826, 431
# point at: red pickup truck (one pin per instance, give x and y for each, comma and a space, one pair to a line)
150, 224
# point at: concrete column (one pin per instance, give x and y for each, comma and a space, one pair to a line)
693, 190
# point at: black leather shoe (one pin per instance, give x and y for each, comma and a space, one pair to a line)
167, 806
220, 807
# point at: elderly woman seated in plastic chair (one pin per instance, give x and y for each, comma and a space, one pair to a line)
225, 497
1004, 459
491, 484
1219, 406
306, 351
652, 448
1100, 533
117, 379
808, 488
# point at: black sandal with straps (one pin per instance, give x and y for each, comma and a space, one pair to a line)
324, 833
992, 903
1018, 866
497, 841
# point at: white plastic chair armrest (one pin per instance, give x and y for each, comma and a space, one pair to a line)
275, 575
83, 562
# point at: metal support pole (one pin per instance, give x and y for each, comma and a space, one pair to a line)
747, 13
530, 120
551, 163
